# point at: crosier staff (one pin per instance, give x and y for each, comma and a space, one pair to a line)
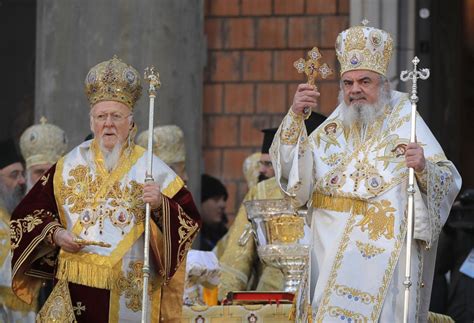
414, 76
153, 78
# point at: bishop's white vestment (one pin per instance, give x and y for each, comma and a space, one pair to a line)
354, 181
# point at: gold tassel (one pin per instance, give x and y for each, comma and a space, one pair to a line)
92, 275
339, 203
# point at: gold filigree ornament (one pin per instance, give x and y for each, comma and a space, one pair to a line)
379, 220
286, 228
364, 48
312, 67
58, 307
113, 80
124, 206
132, 286
368, 250
84, 242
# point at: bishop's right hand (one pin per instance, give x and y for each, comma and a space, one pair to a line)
306, 96
65, 240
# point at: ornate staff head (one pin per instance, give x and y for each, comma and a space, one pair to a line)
153, 77
414, 76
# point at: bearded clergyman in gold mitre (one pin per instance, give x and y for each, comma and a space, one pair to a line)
169, 146
96, 193
355, 185
41, 146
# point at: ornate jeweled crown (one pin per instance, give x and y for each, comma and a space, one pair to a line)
43, 143
113, 80
364, 48
168, 143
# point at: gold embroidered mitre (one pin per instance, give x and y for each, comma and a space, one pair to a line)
43, 143
113, 80
364, 48
168, 143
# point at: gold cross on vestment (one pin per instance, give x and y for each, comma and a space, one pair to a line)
312, 68
79, 308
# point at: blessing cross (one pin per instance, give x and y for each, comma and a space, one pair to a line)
312, 68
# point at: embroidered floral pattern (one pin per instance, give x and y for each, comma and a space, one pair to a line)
27, 224
353, 294
132, 286
439, 183
124, 203
291, 130
367, 250
346, 315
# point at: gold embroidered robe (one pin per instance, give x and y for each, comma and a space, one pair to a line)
354, 181
240, 259
105, 283
14, 310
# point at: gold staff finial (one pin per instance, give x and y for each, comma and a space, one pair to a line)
311, 67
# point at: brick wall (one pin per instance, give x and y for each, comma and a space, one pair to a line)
250, 79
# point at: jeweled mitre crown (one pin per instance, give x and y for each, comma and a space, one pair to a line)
364, 48
113, 80
43, 143
168, 143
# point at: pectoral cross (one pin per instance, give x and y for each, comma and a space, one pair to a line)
312, 67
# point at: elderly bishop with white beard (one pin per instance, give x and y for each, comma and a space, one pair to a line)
83, 222
352, 173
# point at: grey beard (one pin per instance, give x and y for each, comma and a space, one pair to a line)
111, 157
10, 199
364, 114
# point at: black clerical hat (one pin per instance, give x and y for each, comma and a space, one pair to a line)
212, 187
268, 135
314, 120
8, 153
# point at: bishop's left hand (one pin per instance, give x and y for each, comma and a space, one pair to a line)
415, 157
152, 195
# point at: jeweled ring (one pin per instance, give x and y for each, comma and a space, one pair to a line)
306, 110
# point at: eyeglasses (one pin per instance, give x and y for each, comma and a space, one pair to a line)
265, 163
115, 117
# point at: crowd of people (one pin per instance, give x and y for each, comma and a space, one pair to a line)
72, 222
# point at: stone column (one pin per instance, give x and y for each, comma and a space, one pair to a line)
72, 36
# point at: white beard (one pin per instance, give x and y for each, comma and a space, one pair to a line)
364, 114
10, 198
111, 157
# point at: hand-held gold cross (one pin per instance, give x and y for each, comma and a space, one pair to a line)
312, 68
